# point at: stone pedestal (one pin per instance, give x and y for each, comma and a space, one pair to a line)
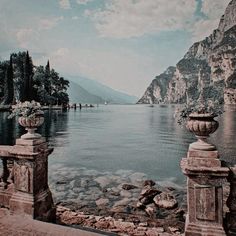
204, 193
32, 195
231, 203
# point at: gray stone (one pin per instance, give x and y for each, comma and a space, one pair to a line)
102, 202
165, 200
128, 186
122, 202
124, 193
103, 181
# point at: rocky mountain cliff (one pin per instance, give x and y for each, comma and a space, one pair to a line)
208, 69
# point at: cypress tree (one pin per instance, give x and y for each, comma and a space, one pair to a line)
48, 79
8, 85
28, 74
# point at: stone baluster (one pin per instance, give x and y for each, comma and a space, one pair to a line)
32, 195
231, 203
5, 173
10, 167
6, 186
205, 177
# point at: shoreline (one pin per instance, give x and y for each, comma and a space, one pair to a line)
124, 202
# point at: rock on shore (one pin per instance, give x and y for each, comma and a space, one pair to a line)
124, 202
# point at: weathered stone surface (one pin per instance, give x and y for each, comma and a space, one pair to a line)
103, 181
151, 210
165, 200
149, 182
32, 195
102, 202
125, 193
148, 191
128, 186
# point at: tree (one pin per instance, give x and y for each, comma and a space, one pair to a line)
28, 74
3, 68
8, 85
47, 82
18, 65
31, 82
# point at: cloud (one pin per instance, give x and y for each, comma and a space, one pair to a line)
203, 28
28, 36
75, 18
83, 2
213, 10
49, 23
128, 18
23, 36
64, 4
61, 52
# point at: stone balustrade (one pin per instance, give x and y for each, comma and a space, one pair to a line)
24, 180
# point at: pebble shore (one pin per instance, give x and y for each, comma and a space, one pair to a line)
123, 202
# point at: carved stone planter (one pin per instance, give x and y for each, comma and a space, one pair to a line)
31, 124
202, 125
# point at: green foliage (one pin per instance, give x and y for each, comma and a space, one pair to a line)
27, 94
8, 85
210, 107
26, 109
31, 82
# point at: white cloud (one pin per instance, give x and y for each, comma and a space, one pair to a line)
64, 4
213, 10
26, 37
61, 52
49, 23
75, 18
203, 28
83, 2
128, 18
23, 36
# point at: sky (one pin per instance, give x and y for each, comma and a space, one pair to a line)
123, 44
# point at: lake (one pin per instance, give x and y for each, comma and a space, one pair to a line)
122, 138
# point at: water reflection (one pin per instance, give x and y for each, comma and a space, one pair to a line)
224, 137
111, 138
8, 129
55, 123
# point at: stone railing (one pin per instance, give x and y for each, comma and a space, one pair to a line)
206, 176
24, 180
6, 180
231, 203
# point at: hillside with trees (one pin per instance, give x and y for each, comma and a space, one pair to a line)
21, 81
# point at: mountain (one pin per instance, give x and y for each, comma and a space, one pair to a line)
77, 94
208, 69
102, 91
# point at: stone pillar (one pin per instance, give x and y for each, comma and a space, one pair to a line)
32, 195
205, 177
231, 203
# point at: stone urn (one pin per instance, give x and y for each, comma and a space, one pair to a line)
31, 124
202, 125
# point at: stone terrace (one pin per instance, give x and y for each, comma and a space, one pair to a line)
19, 225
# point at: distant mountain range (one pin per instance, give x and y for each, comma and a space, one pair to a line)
84, 90
208, 69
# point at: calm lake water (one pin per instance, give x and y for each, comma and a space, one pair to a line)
123, 137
